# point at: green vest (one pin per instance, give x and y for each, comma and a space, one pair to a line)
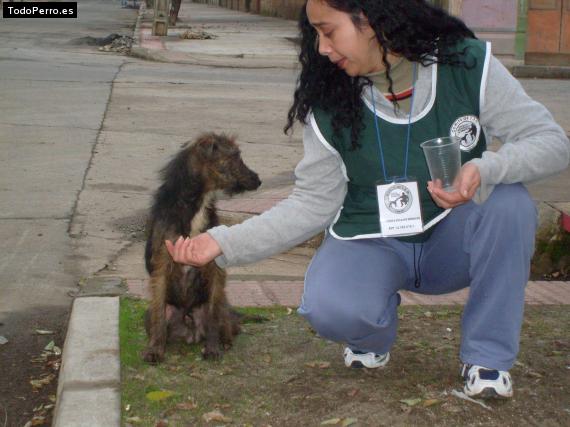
453, 110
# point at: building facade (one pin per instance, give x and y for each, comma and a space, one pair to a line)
534, 31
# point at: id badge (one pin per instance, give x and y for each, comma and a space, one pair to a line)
400, 209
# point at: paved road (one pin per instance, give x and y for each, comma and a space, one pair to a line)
53, 98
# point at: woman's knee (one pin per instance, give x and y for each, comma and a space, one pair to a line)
347, 320
512, 203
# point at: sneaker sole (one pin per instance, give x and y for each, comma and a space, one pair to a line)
488, 393
357, 365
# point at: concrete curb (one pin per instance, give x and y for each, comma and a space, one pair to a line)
540, 72
218, 60
89, 388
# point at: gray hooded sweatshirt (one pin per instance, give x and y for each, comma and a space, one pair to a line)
533, 147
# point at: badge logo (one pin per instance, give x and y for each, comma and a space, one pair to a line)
398, 199
468, 130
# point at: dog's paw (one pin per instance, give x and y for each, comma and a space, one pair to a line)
153, 355
212, 353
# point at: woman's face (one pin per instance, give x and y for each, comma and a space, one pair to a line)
353, 49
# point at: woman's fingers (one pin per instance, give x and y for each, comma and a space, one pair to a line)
197, 251
465, 185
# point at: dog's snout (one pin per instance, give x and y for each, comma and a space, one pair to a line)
251, 179
254, 181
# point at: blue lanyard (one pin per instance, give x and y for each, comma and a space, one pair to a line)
409, 130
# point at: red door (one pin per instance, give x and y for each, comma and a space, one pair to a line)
548, 36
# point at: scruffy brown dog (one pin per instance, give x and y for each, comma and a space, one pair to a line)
189, 303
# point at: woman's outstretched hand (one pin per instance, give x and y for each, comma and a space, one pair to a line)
197, 251
466, 184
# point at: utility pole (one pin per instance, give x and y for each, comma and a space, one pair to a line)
161, 12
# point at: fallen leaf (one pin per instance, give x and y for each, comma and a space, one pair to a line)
56, 350
430, 402
38, 421
411, 402
317, 364
156, 396
54, 364
331, 422
534, 374
134, 420
187, 406
348, 422
127, 407
44, 332
289, 310
463, 396
50, 346
43, 381
222, 405
197, 376
215, 416
161, 423
267, 358
3, 340
353, 392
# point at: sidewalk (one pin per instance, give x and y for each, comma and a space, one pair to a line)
241, 40
247, 40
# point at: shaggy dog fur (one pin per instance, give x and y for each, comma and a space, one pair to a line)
190, 303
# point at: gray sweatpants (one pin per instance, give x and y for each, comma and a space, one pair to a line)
351, 286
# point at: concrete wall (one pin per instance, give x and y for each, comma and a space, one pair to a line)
493, 20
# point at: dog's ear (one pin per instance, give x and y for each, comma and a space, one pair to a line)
211, 148
205, 144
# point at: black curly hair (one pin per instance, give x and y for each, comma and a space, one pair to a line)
414, 29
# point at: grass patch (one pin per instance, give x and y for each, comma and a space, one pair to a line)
280, 373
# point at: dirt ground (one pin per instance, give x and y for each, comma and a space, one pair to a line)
28, 372
279, 373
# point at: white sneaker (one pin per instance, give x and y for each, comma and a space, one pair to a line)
356, 359
486, 383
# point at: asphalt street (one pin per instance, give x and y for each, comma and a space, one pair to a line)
53, 99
